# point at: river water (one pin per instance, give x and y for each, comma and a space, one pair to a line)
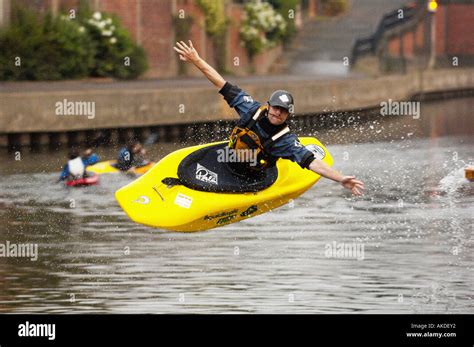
412, 230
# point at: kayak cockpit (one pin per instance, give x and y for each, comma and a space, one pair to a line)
205, 170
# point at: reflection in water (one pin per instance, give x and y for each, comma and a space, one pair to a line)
437, 119
415, 223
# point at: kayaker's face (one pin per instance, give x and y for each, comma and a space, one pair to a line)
277, 115
87, 152
136, 149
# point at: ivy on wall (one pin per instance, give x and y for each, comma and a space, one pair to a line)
182, 26
216, 28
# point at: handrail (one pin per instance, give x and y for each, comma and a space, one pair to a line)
368, 45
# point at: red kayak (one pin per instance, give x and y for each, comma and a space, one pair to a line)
85, 181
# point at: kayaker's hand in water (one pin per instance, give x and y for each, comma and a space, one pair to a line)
348, 182
186, 53
355, 186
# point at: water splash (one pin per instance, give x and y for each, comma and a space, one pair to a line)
454, 181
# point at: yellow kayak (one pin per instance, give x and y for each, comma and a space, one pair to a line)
106, 167
173, 206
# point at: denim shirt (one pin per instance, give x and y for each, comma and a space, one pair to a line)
288, 146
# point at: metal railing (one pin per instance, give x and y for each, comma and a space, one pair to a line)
368, 45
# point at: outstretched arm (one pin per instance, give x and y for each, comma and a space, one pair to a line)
189, 54
64, 174
348, 182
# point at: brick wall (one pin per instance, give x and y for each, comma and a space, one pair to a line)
312, 8
461, 28
394, 46
156, 27
126, 10
235, 51
150, 23
419, 38
197, 35
441, 30
454, 27
408, 44
41, 6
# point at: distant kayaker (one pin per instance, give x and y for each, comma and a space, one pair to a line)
131, 156
76, 166
89, 157
263, 128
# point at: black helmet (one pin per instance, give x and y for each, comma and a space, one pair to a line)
283, 99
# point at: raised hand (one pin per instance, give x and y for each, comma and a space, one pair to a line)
186, 53
355, 186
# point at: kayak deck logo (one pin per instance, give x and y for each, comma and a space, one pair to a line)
228, 216
249, 211
142, 199
205, 175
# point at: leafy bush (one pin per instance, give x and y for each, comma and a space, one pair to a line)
284, 7
262, 27
47, 49
71, 49
52, 48
115, 53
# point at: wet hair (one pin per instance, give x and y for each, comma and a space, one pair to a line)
84, 152
73, 153
132, 144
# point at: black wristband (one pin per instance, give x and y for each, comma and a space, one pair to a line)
307, 160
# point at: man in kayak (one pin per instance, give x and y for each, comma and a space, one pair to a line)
131, 156
263, 127
76, 166
89, 157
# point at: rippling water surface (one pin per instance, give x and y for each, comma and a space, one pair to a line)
415, 224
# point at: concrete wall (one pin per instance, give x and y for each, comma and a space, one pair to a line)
34, 112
